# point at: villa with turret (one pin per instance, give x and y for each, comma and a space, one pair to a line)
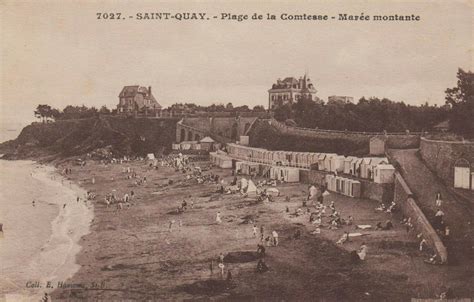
290, 90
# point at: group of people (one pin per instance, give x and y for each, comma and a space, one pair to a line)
125, 201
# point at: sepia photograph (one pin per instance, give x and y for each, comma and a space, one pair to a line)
236, 150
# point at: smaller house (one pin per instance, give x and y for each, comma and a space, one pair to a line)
207, 143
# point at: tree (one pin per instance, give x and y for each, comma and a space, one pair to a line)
258, 108
461, 100
43, 112
284, 112
104, 110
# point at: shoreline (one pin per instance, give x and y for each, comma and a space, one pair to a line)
56, 260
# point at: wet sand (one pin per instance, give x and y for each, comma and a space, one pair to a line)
40, 242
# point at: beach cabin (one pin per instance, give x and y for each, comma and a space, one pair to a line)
307, 160
175, 146
348, 164
291, 174
207, 144
301, 158
461, 173
384, 173
321, 159
244, 140
328, 161
365, 167
355, 188
286, 174
337, 163
196, 146
331, 182
374, 163
356, 169
252, 168
187, 145
225, 162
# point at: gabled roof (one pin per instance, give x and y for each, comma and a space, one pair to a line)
378, 160
385, 166
129, 91
207, 139
133, 90
291, 80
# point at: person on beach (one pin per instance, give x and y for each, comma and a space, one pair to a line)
262, 266
222, 266
170, 225
261, 250
275, 238
64, 206
33, 203
438, 199
218, 218
255, 231
362, 252
211, 267
45, 298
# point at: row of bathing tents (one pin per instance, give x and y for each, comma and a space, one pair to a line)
206, 143
374, 168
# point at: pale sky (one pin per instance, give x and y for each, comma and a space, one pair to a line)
58, 53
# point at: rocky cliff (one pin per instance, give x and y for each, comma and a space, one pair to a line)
69, 138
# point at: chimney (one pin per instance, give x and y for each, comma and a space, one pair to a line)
149, 90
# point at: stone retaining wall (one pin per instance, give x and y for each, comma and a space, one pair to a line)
440, 156
403, 196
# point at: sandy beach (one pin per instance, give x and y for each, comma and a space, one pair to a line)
40, 242
133, 254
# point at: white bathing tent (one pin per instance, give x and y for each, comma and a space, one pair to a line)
461, 174
337, 163
328, 162
286, 174
374, 163
364, 167
321, 159
150, 156
356, 166
384, 173
251, 189
348, 164
342, 185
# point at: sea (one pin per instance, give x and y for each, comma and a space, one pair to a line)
39, 242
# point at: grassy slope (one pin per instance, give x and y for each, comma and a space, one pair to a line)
264, 136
